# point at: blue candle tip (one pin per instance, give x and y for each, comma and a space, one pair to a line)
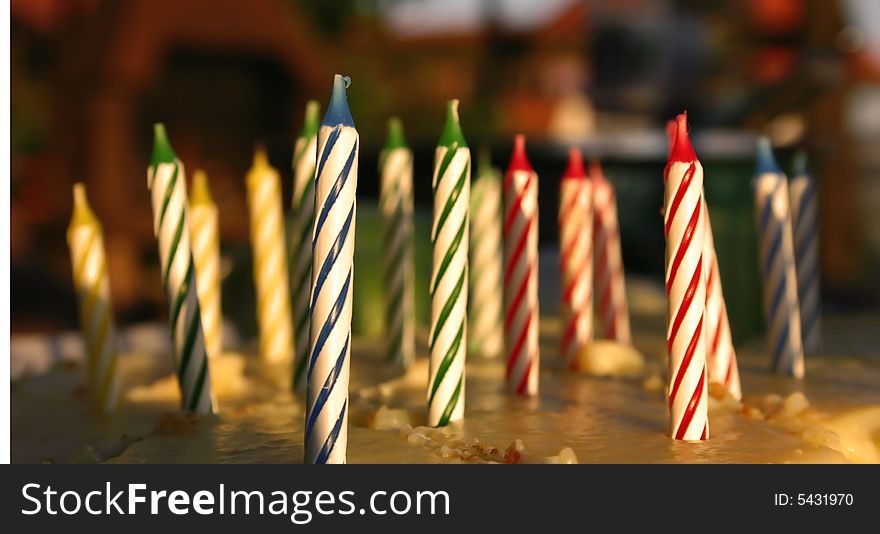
766, 162
338, 113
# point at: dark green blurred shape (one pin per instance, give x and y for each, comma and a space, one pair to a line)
730, 197
729, 194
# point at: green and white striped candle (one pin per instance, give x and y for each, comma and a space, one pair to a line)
305, 156
396, 206
486, 304
449, 236
166, 180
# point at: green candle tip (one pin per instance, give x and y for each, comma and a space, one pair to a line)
312, 120
395, 138
162, 151
452, 134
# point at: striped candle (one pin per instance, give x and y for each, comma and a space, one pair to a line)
804, 218
166, 179
485, 301
576, 257
92, 284
608, 281
205, 229
521, 273
777, 265
326, 435
270, 260
305, 156
684, 227
396, 207
720, 355
449, 291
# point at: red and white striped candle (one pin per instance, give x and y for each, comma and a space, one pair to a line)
576, 257
521, 272
720, 355
608, 282
684, 228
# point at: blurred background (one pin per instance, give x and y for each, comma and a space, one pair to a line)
90, 77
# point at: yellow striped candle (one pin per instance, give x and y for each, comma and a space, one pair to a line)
92, 283
270, 260
205, 229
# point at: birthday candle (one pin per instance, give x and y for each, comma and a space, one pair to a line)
326, 435
576, 257
166, 180
305, 155
608, 279
449, 291
684, 227
521, 272
778, 265
270, 260
396, 206
720, 355
804, 216
90, 279
206, 255
485, 301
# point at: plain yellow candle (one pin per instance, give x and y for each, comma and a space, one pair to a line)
270, 260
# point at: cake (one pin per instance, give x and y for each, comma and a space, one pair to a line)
611, 411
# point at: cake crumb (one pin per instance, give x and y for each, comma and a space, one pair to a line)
771, 404
717, 391
793, 405
416, 438
565, 456
176, 424
653, 383
752, 412
388, 418
511, 455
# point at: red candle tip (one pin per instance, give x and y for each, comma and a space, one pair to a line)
518, 160
681, 147
575, 168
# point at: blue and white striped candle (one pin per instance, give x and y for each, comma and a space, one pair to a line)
777, 264
804, 218
326, 433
